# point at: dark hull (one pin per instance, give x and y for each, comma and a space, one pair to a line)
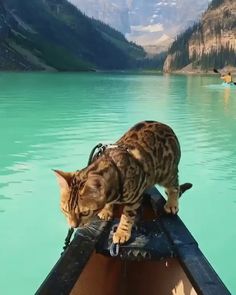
162, 258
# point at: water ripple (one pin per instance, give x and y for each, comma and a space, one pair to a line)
53, 121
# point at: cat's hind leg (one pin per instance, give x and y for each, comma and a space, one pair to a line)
172, 191
106, 213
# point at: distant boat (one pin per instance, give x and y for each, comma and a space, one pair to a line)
162, 258
233, 84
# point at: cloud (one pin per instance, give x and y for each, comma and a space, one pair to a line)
150, 28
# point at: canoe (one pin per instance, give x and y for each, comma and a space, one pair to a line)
161, 258
221, 86
228, 85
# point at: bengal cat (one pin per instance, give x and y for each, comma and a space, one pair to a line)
146, 155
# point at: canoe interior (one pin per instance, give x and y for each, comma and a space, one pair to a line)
112, 276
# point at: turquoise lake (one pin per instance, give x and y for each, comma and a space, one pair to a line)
53, 120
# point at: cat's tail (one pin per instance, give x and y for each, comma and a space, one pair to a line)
184, 187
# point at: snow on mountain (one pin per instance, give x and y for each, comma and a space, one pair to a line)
146, 22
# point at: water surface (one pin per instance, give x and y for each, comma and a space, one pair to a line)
54, 120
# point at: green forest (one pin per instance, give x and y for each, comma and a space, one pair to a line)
62, 37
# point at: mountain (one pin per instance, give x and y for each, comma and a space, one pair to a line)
115, 12
53, 34
209, 43
151, 23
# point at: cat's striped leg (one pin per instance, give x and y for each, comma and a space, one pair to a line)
123, 232
106, 213
172, 191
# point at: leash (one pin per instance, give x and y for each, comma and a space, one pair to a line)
67, 239
100, 148
115, 247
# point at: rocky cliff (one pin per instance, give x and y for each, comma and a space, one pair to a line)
210, 43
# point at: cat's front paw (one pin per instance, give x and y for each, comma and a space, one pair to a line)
171, 207
120, 236
105, 215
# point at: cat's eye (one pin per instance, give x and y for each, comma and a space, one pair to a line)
85, 213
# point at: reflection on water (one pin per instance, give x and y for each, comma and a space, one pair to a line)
226, 97
51, 121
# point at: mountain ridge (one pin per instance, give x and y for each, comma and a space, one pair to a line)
49, 34
152, 24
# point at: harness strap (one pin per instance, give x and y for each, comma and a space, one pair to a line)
102, 151
119, 176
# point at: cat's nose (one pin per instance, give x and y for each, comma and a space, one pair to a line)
73, 223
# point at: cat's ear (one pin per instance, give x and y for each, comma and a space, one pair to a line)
64, 178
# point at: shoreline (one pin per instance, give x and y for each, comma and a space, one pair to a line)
189, 71
186, 72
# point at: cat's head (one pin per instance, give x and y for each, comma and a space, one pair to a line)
81, 199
